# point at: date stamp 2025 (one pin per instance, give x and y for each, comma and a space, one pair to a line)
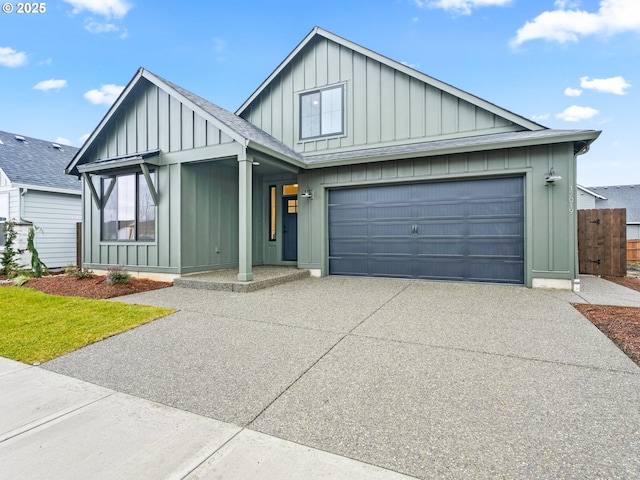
25, 8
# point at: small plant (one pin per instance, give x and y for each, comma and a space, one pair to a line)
37, 266
117, 274
79, 273
20, 280
9, 260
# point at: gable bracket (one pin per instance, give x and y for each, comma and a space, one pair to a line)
150, 185
94, 194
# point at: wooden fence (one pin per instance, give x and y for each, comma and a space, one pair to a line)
633, 251
602, 242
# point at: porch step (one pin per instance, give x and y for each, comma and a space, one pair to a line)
226, 280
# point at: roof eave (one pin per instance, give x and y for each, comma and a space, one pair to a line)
41, 188
581, 136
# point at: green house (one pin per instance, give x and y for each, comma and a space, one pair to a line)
343, 162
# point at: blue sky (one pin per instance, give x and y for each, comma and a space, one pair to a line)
567, 64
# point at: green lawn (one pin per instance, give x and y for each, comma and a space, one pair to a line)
36, 327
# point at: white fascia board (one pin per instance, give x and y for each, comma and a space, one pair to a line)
47, 189
591, 192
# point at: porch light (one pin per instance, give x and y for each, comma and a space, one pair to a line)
552, 177
308, 194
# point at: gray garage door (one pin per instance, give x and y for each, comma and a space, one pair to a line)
470, 230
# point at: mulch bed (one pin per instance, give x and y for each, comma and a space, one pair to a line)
620, 324
95, 287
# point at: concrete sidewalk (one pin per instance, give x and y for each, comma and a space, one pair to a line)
430, 380
56, 427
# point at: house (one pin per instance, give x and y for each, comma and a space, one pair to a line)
614, 196
343, 162
35, 192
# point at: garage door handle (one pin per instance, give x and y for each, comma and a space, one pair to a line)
414, 229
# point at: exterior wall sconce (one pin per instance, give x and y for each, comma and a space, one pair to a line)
552, 177
308, 194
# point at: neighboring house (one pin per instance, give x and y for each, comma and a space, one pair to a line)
614, 196
343, 162
35, 192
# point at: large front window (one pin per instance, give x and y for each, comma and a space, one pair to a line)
129, 212
321, 112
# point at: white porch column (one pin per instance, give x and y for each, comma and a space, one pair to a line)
245, 217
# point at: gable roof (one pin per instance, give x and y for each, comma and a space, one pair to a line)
232, 125
620, 196
38, 164
456, 92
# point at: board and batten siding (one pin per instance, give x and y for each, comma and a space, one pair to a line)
383, 106
151, 120
209, 216
551, 220
194, 215
55, 215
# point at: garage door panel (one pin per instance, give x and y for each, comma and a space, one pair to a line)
391, 266
470, 230
441, 246
497, 272
449, 269
495, 228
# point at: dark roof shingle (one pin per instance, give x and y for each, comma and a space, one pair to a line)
36, 162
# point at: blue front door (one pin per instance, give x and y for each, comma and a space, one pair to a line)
290, 228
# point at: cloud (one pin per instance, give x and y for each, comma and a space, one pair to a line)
105, 96
572, 92
52, 84
561, 25
575, 113
84, 138
463, 7
10, 58
106, 8
62, 141
537, 118
91, 26
615, 85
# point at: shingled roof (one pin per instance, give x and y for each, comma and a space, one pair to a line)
33, 163
620, 196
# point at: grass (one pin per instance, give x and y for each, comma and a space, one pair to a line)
36, 327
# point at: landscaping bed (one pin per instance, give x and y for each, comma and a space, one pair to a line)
93, 287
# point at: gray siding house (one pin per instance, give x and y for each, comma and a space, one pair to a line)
35, 192
343, 162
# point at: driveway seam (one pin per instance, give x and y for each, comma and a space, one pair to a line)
504, 355
342, 337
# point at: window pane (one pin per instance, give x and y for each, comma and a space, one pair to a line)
126, 195
109, 210
146, 209
272, 212
332, 111
310, 115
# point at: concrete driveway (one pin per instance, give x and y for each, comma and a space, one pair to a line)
431, 380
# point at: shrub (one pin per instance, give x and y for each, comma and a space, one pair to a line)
37, 265
117, 274
9, 260
79, 273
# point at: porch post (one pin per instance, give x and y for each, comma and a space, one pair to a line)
245, 217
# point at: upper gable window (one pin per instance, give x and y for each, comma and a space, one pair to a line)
322, 112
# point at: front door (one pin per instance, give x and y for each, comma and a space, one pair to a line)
290, 228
